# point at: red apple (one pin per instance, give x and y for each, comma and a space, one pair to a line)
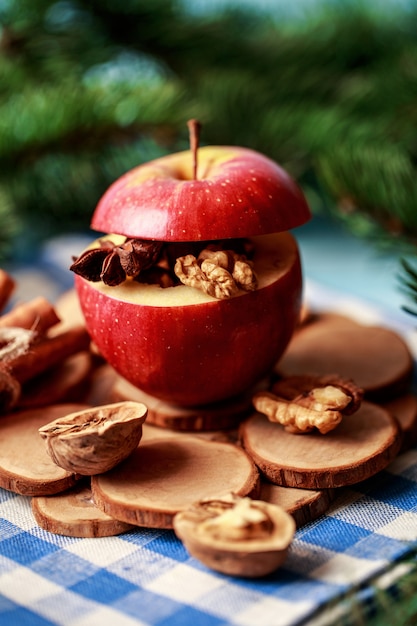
177, 343
238, 193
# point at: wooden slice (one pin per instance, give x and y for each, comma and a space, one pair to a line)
376, 358
61, 384
328, 317
151, 432
101, 384
25, 466
404, 409
74, 514
218, 416
165, 476
361, 445
69, 310
305, 505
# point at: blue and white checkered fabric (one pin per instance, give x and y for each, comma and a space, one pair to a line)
146, 577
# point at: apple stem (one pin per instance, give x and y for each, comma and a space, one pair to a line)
194, 127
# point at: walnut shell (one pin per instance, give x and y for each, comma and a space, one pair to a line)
94, 440
236, 536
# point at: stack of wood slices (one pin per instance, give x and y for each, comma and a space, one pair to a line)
99, 457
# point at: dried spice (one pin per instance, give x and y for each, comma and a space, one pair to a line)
112, 263
209, 266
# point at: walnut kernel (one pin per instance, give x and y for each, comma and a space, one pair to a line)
218, 273
302, 404
235, 535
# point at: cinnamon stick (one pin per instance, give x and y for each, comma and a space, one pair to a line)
7, 285
10, 391
37, 314
48, 352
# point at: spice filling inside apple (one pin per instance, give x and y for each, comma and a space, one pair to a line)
265, 256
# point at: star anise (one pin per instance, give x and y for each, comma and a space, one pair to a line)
112, 263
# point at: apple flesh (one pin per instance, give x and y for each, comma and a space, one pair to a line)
185, 347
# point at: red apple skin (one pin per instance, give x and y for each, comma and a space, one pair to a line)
198, 353
238, 193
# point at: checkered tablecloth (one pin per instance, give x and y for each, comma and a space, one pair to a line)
145, 577
336, 569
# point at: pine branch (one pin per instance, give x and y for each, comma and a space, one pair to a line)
408, 283
339, 112
11, 225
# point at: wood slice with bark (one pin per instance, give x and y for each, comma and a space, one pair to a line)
74, 514
67, 381
376, 358
165, 476
25, 465
305, 505
362, 445
69, 310
151, 432
404, 409
101, 384
219, 416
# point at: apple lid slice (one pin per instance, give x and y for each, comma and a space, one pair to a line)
237, 192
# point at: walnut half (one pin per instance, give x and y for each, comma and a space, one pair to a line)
94, 440
304, 403
236, 536
218, 273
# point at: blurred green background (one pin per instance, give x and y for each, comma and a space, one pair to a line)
91, 88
